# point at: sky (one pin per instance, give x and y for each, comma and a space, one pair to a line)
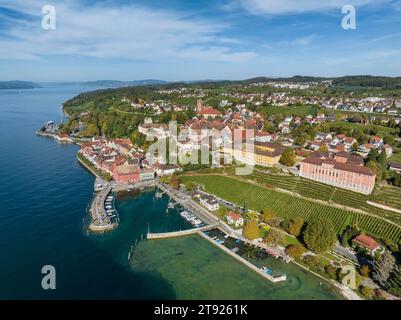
178, 40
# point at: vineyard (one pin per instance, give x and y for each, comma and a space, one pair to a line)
286, 206
387, 195
310, 189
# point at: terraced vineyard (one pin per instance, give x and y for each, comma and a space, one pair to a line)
315, 190
387, 195
286, 206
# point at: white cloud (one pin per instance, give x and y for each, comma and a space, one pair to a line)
302, 41
281, 7
110, 31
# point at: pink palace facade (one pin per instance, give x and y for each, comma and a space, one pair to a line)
339, 172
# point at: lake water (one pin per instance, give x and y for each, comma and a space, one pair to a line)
44, 196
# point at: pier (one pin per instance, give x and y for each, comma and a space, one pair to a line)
180, 233
100, 220
247, 263
199, 231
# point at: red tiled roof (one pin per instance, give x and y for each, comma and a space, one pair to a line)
340, 166
211, 111
366, 241
233, 215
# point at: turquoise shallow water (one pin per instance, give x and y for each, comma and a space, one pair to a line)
192, 267
44, 194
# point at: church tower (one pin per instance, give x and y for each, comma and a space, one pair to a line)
199, 105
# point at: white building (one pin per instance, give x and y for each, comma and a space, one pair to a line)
210, 203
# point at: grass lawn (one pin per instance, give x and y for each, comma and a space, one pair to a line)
381, 130
289, 110
288, 240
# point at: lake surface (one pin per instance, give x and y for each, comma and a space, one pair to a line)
44, 196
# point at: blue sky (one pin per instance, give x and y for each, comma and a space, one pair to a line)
197, 39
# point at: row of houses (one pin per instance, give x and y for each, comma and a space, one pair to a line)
119, 159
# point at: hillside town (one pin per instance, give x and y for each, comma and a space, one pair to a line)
347, 147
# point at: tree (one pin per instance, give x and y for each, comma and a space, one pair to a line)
251, 230
382, 158
364, 271
288, 158
267, 215
312, 261
376, 167
349, 233
274, 237
367, 292
190, 185
295, 226
373, 155
389, 140
394, 283
175, 182
383, 267
319, 235
396, 180
324, 148
295, 250
332, 271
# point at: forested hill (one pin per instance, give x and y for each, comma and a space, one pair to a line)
368, 82
18, 85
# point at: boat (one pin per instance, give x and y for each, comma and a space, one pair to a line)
267, 270
196, 222
170, 205
158, 194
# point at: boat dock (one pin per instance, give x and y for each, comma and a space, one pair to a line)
242, 260
100, 220
186, 202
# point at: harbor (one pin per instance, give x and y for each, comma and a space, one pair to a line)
104, 216
204, 223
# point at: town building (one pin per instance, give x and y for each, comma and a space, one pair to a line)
396, 167
264, 154
165, 169
341, 171
126, 173
209, 202
206, 112
234, 219
368, 243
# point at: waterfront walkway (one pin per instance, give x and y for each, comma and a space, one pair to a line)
189, 204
